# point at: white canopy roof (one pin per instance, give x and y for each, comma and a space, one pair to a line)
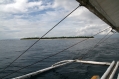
107, 10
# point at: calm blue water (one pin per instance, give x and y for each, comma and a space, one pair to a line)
10, 49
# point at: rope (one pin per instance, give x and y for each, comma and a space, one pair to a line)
65, 77
38, 40
94, 46
51, 55
107, 38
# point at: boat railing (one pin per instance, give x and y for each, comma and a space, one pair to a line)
109, 74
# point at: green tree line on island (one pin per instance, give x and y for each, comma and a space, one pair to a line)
63, 37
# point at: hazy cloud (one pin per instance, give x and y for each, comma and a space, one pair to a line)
25, 18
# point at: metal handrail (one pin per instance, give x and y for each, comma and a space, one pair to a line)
58, 64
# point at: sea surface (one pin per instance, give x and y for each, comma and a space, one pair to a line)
106, 51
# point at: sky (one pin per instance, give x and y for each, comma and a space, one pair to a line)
33, 18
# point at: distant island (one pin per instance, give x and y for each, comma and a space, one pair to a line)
71, 37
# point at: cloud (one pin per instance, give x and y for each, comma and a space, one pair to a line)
19, 6
25, 18
66, 4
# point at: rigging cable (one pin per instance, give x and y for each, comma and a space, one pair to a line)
108, 37
65, 77
94, 46
39, 39
51, 55
101, 41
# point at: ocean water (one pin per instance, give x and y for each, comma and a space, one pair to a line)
10, 49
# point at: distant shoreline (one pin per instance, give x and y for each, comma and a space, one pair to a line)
30, 38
